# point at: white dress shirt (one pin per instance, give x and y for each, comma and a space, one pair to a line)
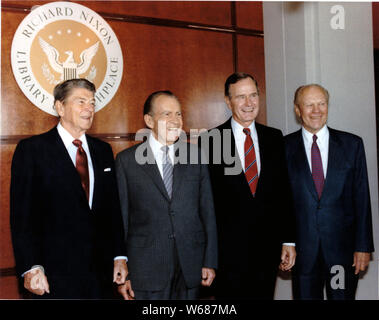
240, 138
156, 146
67, 139
322, 143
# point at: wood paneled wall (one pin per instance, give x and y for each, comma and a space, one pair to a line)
187, 47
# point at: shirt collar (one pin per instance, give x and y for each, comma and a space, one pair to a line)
67, 138
156, 146
321, 135
238, 129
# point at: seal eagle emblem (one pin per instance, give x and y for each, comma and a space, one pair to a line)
69, 69
63, 40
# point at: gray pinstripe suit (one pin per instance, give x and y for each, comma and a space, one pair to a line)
155, 225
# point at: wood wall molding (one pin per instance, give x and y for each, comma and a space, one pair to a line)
234, 29
8, 272
14, 139
130, 137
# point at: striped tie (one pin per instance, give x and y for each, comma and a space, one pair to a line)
251, 167
167, 170
317, 171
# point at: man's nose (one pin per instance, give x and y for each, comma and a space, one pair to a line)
316, 108
176, 119
250, 101
89, 106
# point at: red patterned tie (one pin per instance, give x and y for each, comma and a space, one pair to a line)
82, 166
317, 171
251, 167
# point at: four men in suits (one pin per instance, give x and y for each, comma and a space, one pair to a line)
252, 204
65, 215
68, 233
328, 175
167, 207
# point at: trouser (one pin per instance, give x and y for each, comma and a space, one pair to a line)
258, 284
340, 284
175, 289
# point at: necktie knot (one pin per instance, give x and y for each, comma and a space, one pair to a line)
77, 143
246, 131
165, 156
314, 138
164, 149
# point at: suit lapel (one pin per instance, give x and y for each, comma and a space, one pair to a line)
234, 153
179, 168
233, 148
262, 158
335, 159
303, 166
96, 167
64, 163
151, 168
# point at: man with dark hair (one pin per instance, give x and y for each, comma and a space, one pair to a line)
252, 205
148, 105
64, 208
167, 206
328, 176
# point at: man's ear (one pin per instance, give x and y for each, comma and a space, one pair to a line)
227, 101
148, 121
297, 110
297, 113
59, 108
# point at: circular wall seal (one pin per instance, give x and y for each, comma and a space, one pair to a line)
60, 41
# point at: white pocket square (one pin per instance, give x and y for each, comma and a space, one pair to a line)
107, 169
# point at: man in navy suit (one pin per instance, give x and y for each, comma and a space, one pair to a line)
65, 214
328, 175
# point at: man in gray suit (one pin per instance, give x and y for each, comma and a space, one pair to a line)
167, 207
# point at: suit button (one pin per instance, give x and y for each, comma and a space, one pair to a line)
171, 236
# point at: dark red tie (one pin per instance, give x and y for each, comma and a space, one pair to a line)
251, 167
317, 170
82, 166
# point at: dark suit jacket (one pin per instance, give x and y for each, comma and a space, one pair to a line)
152, 221
341, 220
51, 222
250, 231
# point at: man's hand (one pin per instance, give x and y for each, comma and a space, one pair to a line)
288, 258
120, 271
35, 281
126, 290
120, 274
361, 261
207, 276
